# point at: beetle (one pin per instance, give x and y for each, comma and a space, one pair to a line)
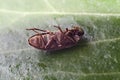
60, 39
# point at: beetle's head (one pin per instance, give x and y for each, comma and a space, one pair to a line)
76, 33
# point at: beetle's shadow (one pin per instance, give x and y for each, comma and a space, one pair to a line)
82, 43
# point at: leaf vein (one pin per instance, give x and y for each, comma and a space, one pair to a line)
58, 13
81, 74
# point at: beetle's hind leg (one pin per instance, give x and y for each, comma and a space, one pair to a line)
34, 29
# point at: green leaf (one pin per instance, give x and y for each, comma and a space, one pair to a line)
96, 57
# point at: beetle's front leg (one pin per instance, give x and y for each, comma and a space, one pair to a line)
65, 34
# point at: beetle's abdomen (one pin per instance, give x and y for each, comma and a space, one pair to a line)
37, 42
50, 42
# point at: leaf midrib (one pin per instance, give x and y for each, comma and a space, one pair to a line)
58, 13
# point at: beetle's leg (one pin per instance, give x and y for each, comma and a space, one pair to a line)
67, 29
59, 28
71, 39
64, 34
33, 29
45, 32
36, 29
51, 43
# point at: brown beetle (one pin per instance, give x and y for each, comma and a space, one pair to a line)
61, 39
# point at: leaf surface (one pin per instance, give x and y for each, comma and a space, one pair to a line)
96, 57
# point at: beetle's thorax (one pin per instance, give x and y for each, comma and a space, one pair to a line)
75, 34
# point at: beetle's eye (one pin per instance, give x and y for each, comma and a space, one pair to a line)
79, 33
